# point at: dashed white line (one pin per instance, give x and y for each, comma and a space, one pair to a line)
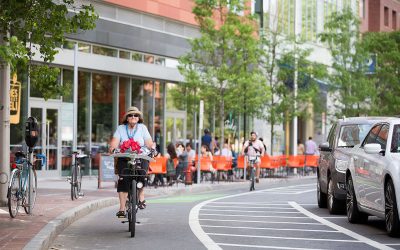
280, 208
339, 228
266, 222
258, 216
248, 211
274, 229
266, 247
283, 238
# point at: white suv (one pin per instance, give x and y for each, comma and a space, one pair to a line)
373, 176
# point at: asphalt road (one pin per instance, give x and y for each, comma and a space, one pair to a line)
280, 214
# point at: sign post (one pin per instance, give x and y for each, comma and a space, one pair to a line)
201, 111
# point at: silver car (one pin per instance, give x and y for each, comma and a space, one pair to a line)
373, 176
335, 155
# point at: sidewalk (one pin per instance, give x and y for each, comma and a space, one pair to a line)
54, 209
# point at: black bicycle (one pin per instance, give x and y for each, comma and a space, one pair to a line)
252, 161
135, 171
76, 176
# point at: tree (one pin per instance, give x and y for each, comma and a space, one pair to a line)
39, 26
28, 27
385, 46
278, 63
222, 64
353, 90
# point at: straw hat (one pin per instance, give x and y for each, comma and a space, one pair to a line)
132, 110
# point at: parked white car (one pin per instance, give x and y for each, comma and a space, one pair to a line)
373, 176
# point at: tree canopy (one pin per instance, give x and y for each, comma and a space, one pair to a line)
39, 26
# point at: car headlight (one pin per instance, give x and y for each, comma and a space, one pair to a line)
341, 165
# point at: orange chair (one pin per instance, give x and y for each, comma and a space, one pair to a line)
296, 161
265, 162
240, 162
312, 160
206, 166
275, 161
159, 166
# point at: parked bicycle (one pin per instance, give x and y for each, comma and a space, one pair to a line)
76, 176
134, 171
22, 189
252, 160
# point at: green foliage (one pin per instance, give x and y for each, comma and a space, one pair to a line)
353, 90
386, 47
221, 67
38, 26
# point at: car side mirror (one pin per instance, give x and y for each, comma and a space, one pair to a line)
372, 148
324, 147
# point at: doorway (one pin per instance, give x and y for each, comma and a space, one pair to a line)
48, 143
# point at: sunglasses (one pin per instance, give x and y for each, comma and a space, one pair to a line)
133, 115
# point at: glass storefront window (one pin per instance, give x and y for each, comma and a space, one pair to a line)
102, 115
35, 92
104, 51
137, 93
123, 83
149, 59
84, 47
84, 118
124, 54
148, 105
137, 57
159, 115
68, 45
160, 61
68, 80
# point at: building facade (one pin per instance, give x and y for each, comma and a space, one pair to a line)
129, 59
379, 15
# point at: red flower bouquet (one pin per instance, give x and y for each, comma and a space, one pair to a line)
130, 145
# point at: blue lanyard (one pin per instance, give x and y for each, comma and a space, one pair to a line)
134, 131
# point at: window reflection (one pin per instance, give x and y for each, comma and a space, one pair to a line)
105, 51
148, 105
102, 116
158, 115
123, 83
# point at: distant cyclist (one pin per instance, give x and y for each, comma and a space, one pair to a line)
254, 147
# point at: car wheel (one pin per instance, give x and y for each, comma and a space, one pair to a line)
333, 204
353, 214
391, 211
321, 197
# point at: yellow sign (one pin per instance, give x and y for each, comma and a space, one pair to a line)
15, 100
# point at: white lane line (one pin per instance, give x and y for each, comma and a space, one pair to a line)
257, 216
286, 208
282, 238
267, 247
334, 217
194, 222
260, 203
274, 229
3, 211
339, 228
248, 211
266, 222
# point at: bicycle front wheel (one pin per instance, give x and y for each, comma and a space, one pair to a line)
252, 177
13, 193
74, 192
133, 201
31, 191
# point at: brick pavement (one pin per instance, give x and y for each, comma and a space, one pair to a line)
53, 201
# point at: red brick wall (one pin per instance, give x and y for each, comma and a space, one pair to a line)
376, 15
180, 10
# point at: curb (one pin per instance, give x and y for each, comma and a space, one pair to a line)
46, 236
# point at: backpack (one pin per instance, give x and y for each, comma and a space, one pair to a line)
170, 168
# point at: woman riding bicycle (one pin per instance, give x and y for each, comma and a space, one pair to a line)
132, 128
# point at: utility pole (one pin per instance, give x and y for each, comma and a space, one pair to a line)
4, 126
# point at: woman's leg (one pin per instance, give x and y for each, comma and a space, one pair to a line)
123, 196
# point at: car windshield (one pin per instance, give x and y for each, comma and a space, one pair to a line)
395, 146
351, 135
